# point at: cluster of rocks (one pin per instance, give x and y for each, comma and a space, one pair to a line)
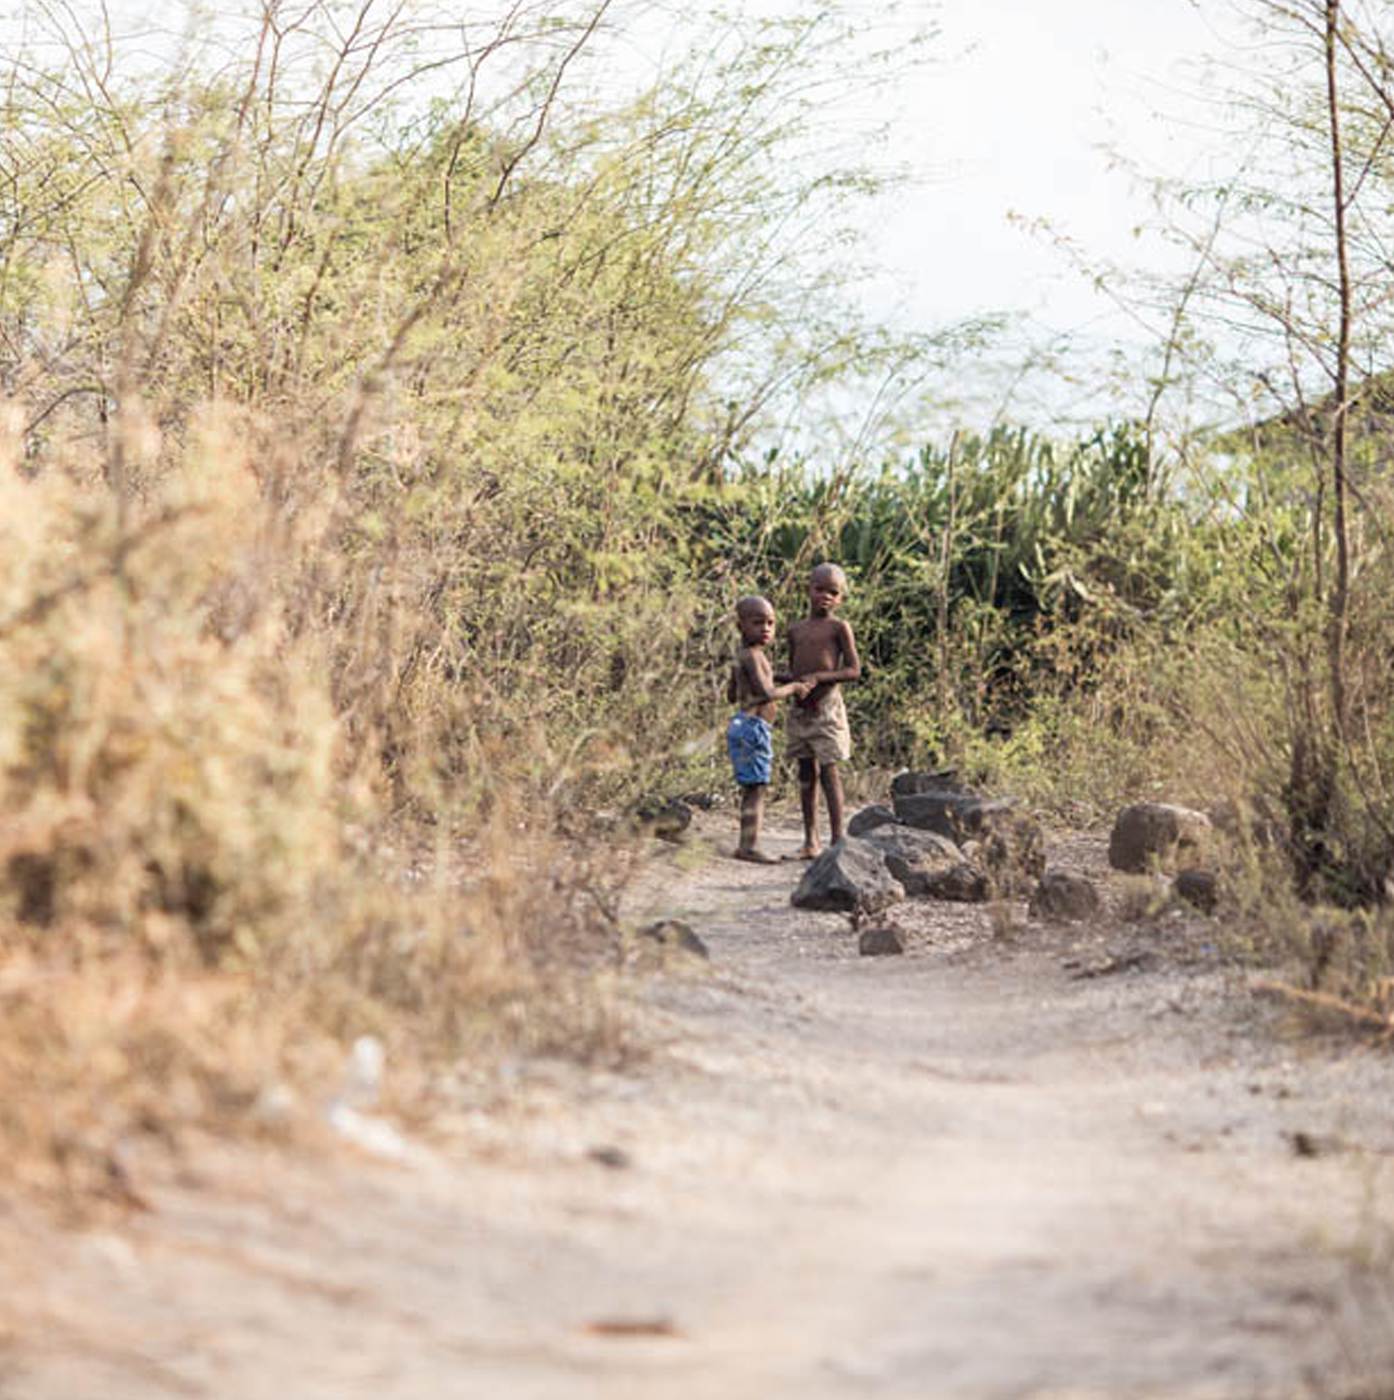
937, 841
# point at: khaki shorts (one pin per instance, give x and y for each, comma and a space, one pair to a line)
820, 734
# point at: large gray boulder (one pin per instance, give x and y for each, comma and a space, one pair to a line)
869, 818
913, 856
1064, 897
849, 877
1157, 836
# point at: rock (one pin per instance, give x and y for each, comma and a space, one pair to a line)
931, 811
959, 816
1156, 835
960, 882
880, 941
667, 818
869, 818
616, 1158
912, 856
1064, 897
908, 784
1198, 888
849, 876
675, 935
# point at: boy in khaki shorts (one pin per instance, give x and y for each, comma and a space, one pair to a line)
823, 650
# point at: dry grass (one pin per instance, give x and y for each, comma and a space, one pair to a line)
205, 892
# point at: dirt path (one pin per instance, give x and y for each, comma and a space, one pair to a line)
964, 1172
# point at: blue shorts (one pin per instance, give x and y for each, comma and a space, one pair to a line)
750, 742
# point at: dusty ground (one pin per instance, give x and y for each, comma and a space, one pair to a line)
969, 1171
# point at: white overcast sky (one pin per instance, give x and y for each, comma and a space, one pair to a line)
1031, 112
1022, 117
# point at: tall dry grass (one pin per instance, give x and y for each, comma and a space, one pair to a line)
206, 891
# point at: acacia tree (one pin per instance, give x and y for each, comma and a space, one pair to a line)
1286, 314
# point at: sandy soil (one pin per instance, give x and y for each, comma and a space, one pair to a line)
1014, 1162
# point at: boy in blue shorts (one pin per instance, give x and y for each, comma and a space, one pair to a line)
749, 736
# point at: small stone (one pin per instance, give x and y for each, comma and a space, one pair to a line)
1065, 897
1308, 1144
666, 818
879, 941
1198, 888
676, 935
616, 1158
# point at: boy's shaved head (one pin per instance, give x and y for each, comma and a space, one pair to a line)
752, 604
829, 573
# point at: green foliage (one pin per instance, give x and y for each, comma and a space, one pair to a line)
990, 576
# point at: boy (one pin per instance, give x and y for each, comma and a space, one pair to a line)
749, 738
823, 650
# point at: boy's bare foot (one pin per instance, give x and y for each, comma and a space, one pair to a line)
755, 857
806, 853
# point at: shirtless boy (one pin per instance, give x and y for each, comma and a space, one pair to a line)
749, 737
823, 650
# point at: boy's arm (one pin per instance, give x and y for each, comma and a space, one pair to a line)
851, 662
760, 680
732, 690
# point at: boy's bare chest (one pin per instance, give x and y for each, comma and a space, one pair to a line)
815, 643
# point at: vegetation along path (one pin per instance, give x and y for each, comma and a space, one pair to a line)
1015, 1162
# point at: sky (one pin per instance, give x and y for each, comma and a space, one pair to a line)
1023, 118
1036, 121
1043, 121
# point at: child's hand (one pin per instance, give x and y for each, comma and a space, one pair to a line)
803, 689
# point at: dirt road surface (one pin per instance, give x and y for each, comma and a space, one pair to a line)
1011, 1163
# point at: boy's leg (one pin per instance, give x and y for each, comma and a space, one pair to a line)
808, 803
752, 813
832, 793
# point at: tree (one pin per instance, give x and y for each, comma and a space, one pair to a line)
1287, 313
